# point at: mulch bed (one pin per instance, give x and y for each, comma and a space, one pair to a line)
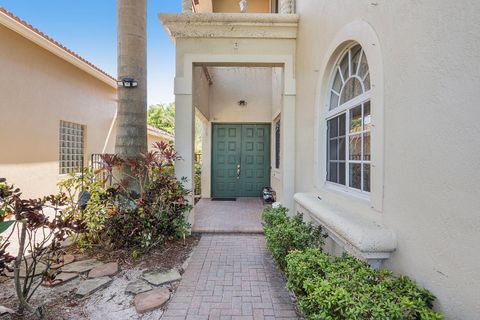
167, 256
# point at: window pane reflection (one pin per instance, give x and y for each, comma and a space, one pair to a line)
356, 119
352, 88
355, 175
366, 146
367, 117
355, 147
366, 177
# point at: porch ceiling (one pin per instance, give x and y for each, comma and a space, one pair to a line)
231, 25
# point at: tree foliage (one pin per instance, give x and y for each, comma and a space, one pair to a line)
162, 116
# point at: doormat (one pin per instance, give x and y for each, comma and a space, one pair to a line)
224, 199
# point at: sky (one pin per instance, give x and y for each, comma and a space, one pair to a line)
88, 27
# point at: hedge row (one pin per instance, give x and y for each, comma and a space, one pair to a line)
333, 288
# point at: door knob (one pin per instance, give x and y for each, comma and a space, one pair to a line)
238, 171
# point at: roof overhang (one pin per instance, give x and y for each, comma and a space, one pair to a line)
28, 32
231, 25
160, 133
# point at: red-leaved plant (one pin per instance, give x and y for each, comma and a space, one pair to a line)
157, 212
40, 234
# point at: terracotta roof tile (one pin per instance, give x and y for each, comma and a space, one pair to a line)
40, 33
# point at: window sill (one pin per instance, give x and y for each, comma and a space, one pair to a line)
357, 232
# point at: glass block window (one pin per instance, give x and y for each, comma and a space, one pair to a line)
349, 122
72, 147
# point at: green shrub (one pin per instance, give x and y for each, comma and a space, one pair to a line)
118, 214
96, 210
158, 215
343, 287
284, 234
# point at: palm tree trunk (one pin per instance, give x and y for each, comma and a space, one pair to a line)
131, 137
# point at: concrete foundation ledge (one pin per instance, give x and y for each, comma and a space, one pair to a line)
361, 235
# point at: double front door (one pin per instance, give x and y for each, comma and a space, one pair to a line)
240, 160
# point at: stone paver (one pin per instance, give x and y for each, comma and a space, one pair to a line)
66, 259
61, 278
231, 277
151, 300
108, 269
40, 268
241, 216
82, 266
159, 278
138, 286
91, 285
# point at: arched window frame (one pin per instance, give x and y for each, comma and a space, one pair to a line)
361, 101
361, 32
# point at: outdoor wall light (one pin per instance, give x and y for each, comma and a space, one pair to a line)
242, 103
127, 83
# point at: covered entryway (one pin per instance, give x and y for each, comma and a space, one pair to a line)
240, 160
237, 76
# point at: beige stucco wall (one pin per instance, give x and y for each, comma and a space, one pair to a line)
254, 6
38, 90
204, 6
153, 138
429, 56
201, 92
232, 84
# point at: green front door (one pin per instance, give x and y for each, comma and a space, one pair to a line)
240, 160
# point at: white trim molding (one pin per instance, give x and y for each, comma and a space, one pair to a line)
183, 85
362, 33
187, 6
286, 6
231, 25
359, 234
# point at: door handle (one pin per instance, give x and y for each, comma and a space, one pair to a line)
238, 171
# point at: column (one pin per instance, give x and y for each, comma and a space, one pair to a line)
187, 6
286, 6
184, 141
206, 158
288, 152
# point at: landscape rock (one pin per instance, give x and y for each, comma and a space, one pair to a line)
108, 269
67, 243
41, 267
4, 310
158, 278
151, 300
82, 266
61, 279
138, 286
67, 259
91, 285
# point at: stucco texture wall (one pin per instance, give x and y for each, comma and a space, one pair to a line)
38, 90
201, 89
231, 85
254, 6
430, 53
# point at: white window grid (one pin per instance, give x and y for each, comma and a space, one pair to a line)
71, 147
346, 108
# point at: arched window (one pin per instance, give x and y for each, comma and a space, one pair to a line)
349, 122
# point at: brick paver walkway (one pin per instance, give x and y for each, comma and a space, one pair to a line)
241, 216
231, 277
